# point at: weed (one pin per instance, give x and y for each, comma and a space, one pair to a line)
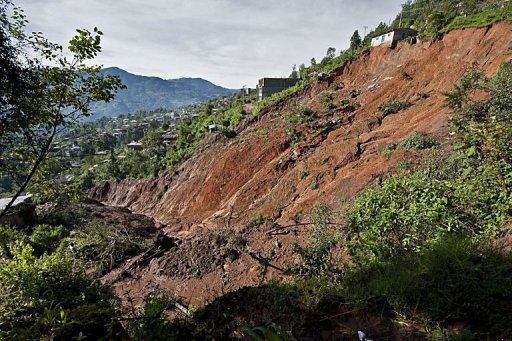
392, 107
405, 75
417, 141
256, 221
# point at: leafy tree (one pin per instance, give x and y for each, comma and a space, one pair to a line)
294, 73
355, 41
313, 62
57, 88
331, 53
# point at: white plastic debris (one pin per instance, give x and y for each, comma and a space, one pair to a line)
362, 336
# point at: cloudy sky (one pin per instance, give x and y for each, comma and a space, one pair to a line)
229, 42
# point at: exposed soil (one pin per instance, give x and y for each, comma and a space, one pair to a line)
210, 250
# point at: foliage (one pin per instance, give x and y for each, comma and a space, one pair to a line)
46, 238
481, 19
301, 115
408, 212
270, 332
393, 106
256, 221
151, 322
293, 135
104, 246
50, 297
355, 41
8, 236
455, 280
61, 88
316, 257
327, 97
431, 19
417, 141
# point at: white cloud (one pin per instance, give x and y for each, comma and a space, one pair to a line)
229, 42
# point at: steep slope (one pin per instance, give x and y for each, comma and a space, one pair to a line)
152, 93
261, 172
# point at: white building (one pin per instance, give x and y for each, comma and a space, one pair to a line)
390, 38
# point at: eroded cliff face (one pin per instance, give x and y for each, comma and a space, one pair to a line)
262, 172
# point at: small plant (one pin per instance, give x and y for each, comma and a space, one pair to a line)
314, 184
417, 141
405, 75
46, 238
403, 164
316, 256
345, 101
301, 115
150, 323
293, 134
270, 332
327, 100
392, 107
389, 149
256, 222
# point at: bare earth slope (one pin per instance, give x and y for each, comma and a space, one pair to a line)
261, 172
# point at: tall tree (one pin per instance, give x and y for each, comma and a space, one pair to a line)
355, 41
57, 87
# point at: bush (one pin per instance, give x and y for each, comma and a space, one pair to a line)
417, 141
46, 238
454, 280
408, 212
8, 236
104, 246
392, 107
151, 322
316, 256
301, 115
51, 297
327, 97
481, 19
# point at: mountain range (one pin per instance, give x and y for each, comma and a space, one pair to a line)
151, 93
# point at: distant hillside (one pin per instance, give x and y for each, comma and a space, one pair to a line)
153, 92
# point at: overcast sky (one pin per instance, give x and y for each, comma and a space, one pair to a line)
229, 42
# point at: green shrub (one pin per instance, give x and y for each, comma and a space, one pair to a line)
301, 115
278, 96
316, 255
256, 221
409, 212
51, 297
327, 100
151, 322
344, 101
481, 19
293, 135
104, 246
46, 238
454, 280
417, 141
8, 236
405, 75
392, 107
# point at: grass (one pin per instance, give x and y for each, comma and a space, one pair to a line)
417, 141
455, 280
482, 19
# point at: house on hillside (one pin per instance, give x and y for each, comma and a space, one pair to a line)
390, 38
135, 145
270, 86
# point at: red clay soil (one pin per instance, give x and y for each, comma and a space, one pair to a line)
229, 182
